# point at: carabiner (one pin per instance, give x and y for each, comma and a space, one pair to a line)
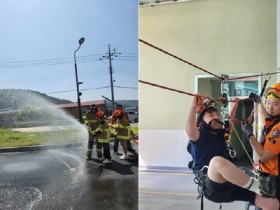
232, 152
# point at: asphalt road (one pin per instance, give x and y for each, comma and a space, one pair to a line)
62, 179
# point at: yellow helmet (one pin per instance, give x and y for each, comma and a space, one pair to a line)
273, 91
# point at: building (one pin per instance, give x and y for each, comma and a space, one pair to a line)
72, 108
235, 38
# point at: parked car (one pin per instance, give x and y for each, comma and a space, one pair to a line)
133, 116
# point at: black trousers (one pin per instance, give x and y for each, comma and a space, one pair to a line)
106, 150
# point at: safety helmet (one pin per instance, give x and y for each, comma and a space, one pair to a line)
118, 114
93, 107
209, 109
100, 114
273, 91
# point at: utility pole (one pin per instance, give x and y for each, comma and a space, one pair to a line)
110, 55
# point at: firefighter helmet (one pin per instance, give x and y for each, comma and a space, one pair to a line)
94, 108
100, 114
118, 114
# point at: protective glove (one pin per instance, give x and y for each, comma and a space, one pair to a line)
247, 129
255, 97
98, 132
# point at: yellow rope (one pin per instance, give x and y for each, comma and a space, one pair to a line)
243, 146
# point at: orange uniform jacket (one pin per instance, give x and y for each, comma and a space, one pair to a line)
272, 144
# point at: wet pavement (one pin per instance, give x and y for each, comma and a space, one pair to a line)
62, 179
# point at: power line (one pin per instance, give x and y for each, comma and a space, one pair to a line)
62, 61
85, 89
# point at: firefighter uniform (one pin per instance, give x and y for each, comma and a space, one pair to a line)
116, 114
123, 133
104, 134
92, 119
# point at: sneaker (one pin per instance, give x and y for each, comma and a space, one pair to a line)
268, 186
124, 157
107, 161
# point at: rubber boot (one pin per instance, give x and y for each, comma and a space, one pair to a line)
89, 153
99, 154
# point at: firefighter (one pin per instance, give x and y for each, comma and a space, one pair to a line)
123, 131
104, 135
92, 119
112, 122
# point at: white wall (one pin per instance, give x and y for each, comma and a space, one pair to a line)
164, 150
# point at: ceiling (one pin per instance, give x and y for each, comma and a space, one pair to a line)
154, 2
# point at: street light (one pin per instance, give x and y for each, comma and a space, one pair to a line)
81, 41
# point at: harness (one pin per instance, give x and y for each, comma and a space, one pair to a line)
265, 131
200, 177
227, 136
265, 177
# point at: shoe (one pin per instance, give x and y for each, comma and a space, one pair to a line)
107, 161
89, 153
124, 157
116, 153
131, 150
268, 186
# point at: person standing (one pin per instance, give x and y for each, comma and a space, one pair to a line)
104, 135
123, 131
267, 148
117, 113
91, 119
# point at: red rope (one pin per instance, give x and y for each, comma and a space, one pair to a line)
180, 59
183, 92
195, 66
235, 78
167, 88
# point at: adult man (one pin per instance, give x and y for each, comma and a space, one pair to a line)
116, 114
92, 119
267, 148
123, 132
224, 182
206, 132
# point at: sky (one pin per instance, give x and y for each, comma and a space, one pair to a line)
38, 39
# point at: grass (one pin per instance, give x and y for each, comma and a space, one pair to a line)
9, 138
